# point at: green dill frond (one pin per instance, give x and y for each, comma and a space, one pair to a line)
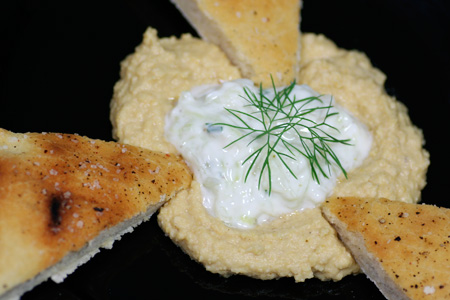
279, 115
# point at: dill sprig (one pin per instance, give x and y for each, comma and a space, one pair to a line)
278, 116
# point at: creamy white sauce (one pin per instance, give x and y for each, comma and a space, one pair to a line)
221, 171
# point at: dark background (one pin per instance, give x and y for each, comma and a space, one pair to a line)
60, 59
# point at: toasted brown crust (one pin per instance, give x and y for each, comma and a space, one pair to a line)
59, 191
261, 37
404, 248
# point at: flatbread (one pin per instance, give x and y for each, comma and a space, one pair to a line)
404, 248
62, 196
250, 32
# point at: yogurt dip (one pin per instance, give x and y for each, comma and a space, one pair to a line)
257, 158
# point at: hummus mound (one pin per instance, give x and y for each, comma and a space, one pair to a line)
300, 245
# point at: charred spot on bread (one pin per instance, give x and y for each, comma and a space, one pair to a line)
55, 211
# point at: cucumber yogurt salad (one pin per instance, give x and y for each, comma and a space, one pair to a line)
262, 153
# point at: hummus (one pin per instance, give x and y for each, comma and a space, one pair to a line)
302, 244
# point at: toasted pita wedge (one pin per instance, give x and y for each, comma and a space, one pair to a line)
261, 37
404, 248
62, 196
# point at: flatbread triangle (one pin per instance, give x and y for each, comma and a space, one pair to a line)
250, 32
404, 248
63, 196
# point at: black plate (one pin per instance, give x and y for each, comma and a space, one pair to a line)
60, 60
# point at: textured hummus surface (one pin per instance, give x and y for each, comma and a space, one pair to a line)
300, 245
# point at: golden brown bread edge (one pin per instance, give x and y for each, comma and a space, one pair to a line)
404, 248
260, 37
62, 196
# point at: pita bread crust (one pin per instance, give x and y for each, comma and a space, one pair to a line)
404, 248
261, 37
59, 191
